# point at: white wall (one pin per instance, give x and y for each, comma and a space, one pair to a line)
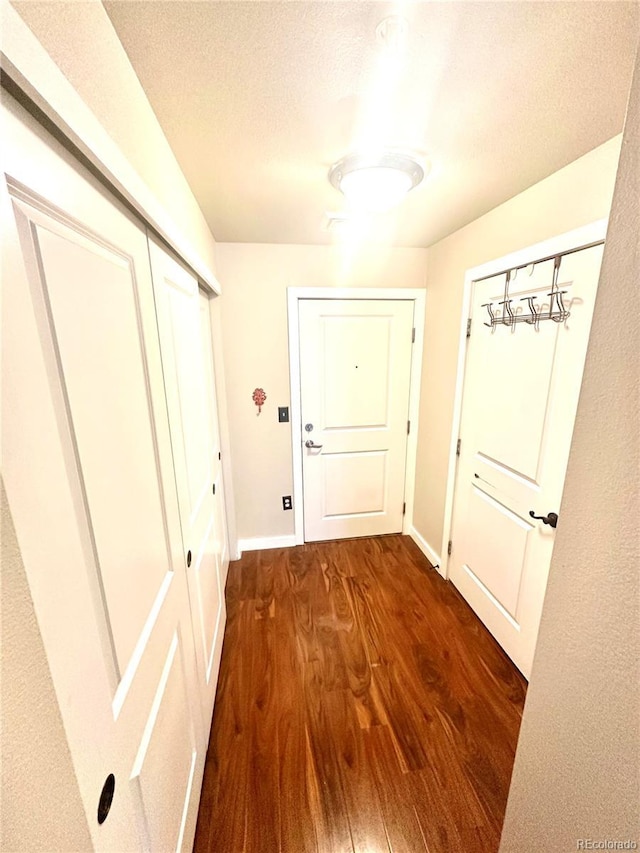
39, 796
255, 277
576, 195
254, 312
577, 767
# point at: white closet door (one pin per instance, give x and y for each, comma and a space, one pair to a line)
87, 464
521, 389
185, 335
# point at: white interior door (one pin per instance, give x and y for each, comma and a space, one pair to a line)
87, 464
355, 372
520, 397
187, 355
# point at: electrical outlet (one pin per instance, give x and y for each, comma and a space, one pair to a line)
283, 414
286, 502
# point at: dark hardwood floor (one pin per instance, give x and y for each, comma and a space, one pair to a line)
361, 707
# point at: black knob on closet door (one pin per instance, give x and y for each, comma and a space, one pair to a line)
188, 558
106, 797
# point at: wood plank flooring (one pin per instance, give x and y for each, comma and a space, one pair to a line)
361, 708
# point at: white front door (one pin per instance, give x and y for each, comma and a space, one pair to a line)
521, 391
87, 464
355, 371
187, 356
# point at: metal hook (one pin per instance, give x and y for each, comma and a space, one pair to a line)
564, 313
554, 287
492, 316
533, 319
508, 320
507, 313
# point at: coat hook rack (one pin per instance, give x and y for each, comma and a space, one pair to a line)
557, 312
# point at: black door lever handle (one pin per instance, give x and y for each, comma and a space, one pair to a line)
551, 519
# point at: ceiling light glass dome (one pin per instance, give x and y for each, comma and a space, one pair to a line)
376, 183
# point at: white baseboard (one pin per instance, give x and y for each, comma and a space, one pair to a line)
260, 543
427, 550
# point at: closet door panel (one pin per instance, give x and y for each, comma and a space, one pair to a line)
95, 319
220, 525
183, 316
167, 760
86, 458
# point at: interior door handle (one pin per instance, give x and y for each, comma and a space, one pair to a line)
309, 443
551, 519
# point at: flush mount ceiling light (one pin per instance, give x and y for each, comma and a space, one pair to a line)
392, 33
378, 182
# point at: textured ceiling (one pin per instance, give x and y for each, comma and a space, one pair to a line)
258, 99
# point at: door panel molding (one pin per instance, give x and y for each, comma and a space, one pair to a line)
294, 295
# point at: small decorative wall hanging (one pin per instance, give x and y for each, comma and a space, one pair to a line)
258, 398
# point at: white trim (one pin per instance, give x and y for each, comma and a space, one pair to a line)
426, 549
261, 543
575, 239
24, 60
294, 294
411, 462
223, 424
296, 412
383, 293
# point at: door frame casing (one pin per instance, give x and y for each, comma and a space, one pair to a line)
570, 240
385, 294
